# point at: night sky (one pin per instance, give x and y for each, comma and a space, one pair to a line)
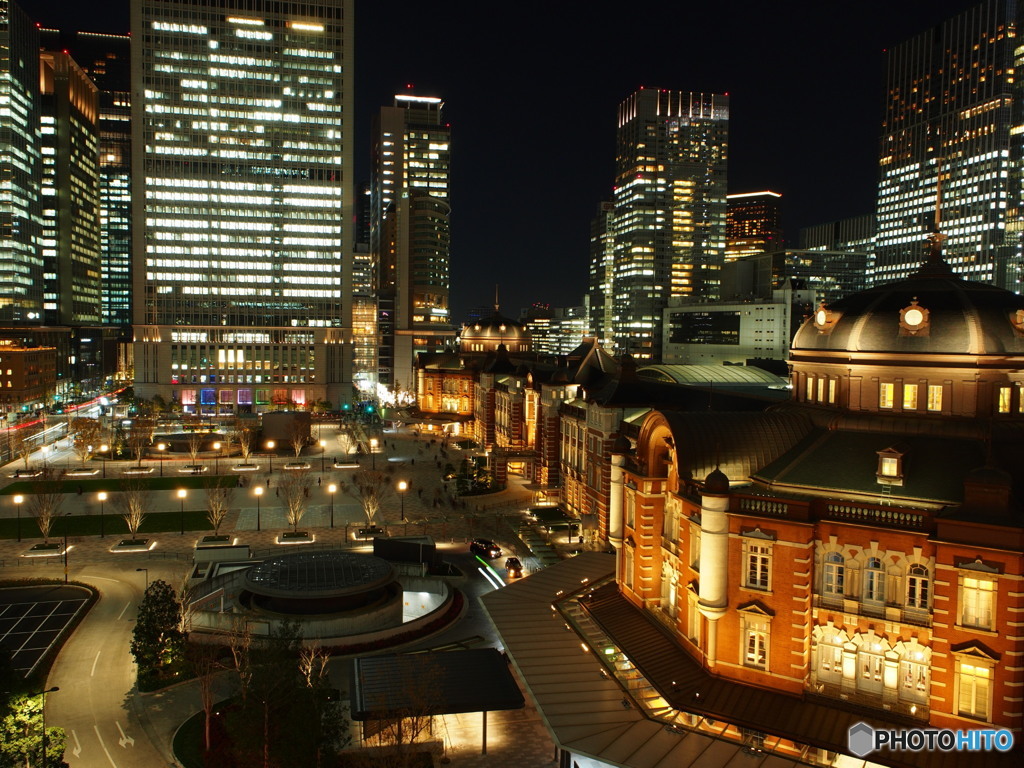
531, 91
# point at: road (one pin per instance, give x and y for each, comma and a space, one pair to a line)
96, 673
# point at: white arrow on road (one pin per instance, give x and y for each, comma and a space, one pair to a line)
124, 740
78, 746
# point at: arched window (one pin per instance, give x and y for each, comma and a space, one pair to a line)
874, 581
830, 659
918, 587
833, 576
870, 666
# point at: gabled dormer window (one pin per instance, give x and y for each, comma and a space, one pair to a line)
891, 465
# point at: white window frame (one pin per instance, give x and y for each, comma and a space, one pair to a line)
974, 698
977, 602
919, 587
874, 581
833, 575
757, 565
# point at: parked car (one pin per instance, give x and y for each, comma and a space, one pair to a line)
514, 568
485, 548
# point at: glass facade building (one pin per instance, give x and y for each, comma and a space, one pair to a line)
21, 264
953, 113
669, 217
410, 238
753, 223
242, 203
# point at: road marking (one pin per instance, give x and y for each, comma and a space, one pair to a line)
93, 673
126, 606
105, 751
78, 745
124, 739
103, 578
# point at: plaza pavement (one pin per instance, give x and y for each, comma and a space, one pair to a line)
514, 738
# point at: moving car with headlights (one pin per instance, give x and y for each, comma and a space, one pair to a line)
485, 548
514, 568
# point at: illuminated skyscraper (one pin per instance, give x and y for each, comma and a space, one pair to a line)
409, 233
600, 307
21, 265
669, 217
242, 202
753, 224
71, 205
953, 110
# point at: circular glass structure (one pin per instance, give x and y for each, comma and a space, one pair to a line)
316, 583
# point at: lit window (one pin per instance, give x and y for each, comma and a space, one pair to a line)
890, 466
695, 547
885, 390
830, 660
1004, 399
758, 566
755, 630
870, 666
976, 601
918, 587
934, 397
810, 389
832, 390
833, 575
874, 581
910, 397
914, 679
974, 690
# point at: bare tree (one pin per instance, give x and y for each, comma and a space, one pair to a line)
299, 436
240, 645
132, 503
295, 491
313, 664
205, 666
45, 501
23, 441
368, 487
88, 435
196, 441
187, 592
242, 434
218, 501
407, 728
140, 435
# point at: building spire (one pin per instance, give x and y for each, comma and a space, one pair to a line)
496, 305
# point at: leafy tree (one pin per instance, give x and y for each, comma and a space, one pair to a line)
21, 736
157, 640
88, 433
23, 441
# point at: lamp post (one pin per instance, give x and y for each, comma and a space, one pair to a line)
66, 515
331, 490
323, 453
102, 498
373, 453
182, 493
161, 447
402, 488
216, 459
270, 450
45, 449
258, 490
17, 505
103, 458
147, 575
42, 711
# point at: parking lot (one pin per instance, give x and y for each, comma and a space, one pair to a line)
31, 618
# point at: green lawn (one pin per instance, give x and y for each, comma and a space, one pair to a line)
114, 525
114, 484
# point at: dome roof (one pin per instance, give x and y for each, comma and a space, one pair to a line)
494, 328
931, 312
716, 482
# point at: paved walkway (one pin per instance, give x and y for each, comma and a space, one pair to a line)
514, 738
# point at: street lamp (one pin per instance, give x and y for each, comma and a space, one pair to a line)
45, 449
102, 498
42, 710
373, 453
258, 490
270, 449
161, 447
216, 459
147, 575
66, 515
402, 488
17, 505
103, 456
332, 489
182, 493
323, 453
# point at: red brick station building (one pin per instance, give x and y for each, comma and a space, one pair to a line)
786, 571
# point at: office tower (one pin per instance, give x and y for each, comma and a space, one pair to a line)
409, 233
953, 111
753, 223
242, 202
70, 190
21, 265
602, 274
670, 187
106, 59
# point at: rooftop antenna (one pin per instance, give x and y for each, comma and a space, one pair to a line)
496, 305
935, 264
